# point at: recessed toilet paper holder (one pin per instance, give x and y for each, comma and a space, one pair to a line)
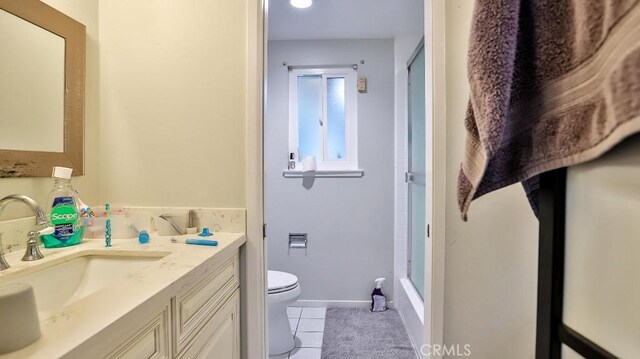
298, 240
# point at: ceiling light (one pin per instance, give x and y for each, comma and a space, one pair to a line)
301, 4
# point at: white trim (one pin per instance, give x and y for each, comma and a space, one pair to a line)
253, 265
336, 303
323, 174
350, 161
414, 298
435, 78
410, 313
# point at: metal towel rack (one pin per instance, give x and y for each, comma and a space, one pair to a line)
551, 332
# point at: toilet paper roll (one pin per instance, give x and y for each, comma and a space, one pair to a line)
19, 317
309, 164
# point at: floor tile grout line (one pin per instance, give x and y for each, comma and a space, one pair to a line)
296, 331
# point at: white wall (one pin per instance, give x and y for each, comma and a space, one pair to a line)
85, 12
173, 97
165, 105
179, 81
349, 220
491, 260
602, 260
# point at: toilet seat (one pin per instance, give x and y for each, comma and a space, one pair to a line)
279, 282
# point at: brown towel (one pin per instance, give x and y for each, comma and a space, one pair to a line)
553, 83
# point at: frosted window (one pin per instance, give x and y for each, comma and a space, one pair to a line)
309, 114
323, 117
336, 142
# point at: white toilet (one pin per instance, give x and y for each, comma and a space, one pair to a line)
283, 291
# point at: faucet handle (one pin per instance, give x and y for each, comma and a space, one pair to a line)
3, 262
33, 252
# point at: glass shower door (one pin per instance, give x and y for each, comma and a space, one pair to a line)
417, 169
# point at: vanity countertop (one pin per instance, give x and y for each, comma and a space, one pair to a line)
81, 322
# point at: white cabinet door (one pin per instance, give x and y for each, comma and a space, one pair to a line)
220, 336
193, 307
151, 341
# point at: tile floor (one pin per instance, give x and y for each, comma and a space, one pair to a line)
307, 325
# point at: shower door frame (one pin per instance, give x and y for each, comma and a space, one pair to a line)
408, 175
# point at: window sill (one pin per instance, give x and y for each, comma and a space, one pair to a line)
323, 174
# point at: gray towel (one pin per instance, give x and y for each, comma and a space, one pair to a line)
553, 83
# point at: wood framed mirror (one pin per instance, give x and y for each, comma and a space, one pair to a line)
42, 67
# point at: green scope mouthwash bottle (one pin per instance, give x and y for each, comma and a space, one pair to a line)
64, 212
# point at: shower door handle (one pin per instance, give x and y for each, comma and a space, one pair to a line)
408, 177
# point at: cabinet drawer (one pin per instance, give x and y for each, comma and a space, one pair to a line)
193, 307
220, 336
151, 341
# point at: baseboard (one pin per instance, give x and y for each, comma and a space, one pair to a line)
337, 303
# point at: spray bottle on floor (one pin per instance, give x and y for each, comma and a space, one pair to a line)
378, 301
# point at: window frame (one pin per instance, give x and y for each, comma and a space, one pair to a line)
350, 161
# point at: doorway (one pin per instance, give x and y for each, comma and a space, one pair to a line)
334, 230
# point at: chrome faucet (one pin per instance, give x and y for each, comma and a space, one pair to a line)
42, 227
173, 223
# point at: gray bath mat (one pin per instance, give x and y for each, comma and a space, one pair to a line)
357, 333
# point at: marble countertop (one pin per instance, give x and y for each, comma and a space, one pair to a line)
81, 322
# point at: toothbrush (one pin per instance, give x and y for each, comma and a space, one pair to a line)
201, 242
107, 226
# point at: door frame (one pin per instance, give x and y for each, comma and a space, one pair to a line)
435, 74
253, 264
253, 304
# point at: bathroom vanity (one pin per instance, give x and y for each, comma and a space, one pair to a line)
158, 300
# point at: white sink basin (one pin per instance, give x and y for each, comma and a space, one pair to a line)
61, 284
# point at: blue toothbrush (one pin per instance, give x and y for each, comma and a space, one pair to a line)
200, 242
107, 226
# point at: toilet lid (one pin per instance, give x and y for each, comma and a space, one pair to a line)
281, 281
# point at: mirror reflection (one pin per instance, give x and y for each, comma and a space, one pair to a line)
32, 86
42, 79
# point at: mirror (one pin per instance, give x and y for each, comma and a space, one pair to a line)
42, 77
